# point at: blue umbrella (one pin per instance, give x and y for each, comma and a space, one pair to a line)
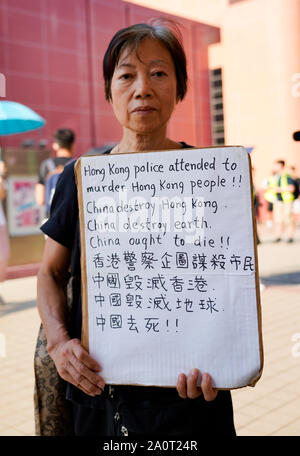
18, 118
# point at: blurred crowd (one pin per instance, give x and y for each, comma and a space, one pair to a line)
279, 201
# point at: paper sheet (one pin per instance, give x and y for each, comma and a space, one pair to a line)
169, 265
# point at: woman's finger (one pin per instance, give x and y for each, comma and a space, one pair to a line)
181, 386
85, 372
193, 390
209, 392
82, 382
66, 373
84, 356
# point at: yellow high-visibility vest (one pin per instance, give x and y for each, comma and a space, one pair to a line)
273, 181
270, 195
286, 196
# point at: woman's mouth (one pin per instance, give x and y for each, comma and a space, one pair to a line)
143, 110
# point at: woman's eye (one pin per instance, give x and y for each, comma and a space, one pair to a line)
159, 74
125, 76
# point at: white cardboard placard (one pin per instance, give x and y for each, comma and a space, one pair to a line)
169, 266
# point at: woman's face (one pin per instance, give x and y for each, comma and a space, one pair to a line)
144, 88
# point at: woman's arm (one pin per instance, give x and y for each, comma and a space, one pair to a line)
72, 361
40, 194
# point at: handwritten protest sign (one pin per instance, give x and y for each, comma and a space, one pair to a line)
169, 266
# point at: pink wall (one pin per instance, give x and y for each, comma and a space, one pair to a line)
51, 55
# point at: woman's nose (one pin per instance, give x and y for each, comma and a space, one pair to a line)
143, 87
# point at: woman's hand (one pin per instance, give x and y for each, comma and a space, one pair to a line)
187, 386
75, 365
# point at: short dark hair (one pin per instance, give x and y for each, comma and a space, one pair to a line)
64, 138
281, 162
164, 31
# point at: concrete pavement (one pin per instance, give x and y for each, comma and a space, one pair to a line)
19, 322
272, 407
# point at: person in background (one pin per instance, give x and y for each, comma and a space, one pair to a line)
145, 78
283, 205
270, 196
4, 239
296, 202
63, 148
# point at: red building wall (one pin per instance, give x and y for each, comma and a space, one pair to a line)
51, 55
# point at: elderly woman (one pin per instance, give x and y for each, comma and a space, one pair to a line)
145, 77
